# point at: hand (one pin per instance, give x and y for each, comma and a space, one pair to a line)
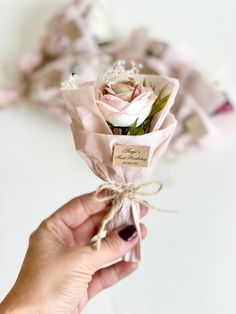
62, 270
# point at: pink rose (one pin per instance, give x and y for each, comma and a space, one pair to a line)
124, 101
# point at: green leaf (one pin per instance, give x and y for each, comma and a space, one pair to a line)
138, 131
135, 130
134, 125
161, 92
159, 105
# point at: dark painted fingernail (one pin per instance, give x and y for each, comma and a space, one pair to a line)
128, 233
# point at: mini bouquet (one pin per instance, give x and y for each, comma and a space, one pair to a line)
43, 86
121, 125
205, 114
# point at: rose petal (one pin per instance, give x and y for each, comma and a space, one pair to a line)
128, 96
144, 114
137, 91
108, 90
121, 119
121, 88
105, 106
140, 102
114, 102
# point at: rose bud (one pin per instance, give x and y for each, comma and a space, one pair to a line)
124, 101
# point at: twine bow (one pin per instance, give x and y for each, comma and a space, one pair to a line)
118, 193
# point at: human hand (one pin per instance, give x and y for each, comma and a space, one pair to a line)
62, 270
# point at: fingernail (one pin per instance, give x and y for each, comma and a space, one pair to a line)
128, 233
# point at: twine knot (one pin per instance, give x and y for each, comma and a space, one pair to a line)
118, 193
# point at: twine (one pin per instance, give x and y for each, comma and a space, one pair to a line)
118, 193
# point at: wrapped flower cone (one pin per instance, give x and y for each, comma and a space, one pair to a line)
122, 160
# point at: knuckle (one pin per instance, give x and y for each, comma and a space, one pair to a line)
75, 201
32, 236
43, 230
47, 225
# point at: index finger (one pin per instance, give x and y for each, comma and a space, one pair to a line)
79, 209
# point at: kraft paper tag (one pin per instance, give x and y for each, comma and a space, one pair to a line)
72, 30
53, 78
130, 155
196, 126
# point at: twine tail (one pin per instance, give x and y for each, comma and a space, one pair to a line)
116, 206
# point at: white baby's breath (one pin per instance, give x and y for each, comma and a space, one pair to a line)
72, 83
121, 68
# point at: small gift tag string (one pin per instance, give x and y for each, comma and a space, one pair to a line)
118, 193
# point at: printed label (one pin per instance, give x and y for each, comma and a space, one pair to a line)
195, 125
130, 155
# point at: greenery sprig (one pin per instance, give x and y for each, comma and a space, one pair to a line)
158, 106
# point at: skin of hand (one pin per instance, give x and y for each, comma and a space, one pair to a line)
62, 270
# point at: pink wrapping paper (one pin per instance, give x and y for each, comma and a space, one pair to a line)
68, 32
95, 142
8, 96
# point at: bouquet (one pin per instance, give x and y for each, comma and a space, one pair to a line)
121, 125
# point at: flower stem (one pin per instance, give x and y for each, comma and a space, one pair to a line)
123, 131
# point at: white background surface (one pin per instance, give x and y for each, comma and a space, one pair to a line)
189, 257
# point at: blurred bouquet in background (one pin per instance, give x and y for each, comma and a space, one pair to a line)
70, 43
80, 39
204, 113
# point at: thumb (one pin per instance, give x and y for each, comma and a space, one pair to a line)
114, 245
